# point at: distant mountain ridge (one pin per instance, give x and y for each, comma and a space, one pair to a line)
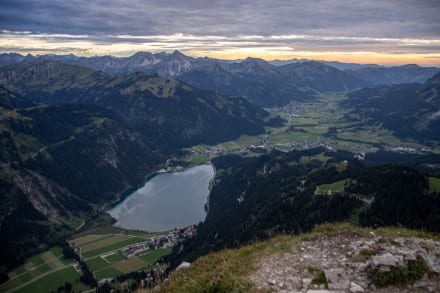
410, 73
321, 77
264, 83
336, 64
254, 79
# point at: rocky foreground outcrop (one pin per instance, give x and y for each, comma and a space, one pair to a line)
350, 262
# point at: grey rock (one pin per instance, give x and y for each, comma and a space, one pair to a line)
387, 259
356, 288
306, 282
431, 261
337, 279
409, 255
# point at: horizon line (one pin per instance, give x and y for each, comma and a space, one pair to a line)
231, 58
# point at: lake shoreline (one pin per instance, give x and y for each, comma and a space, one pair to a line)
211, 184
123, 195
178, 198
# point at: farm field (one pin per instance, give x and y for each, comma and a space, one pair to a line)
434, 183
35, 267
153, 256
109, 244
330, 188
48, 270
115, 264
130, 265
50, 283
115, 257
103, 256
108, 272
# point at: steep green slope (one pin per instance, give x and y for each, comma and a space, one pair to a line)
168, 110
60, 162
10, 100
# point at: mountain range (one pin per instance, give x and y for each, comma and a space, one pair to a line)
258, 81
167, 110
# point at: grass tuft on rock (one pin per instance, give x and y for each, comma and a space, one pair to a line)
397, 276
320, 279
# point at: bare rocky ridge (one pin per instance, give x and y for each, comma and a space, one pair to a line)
344, 259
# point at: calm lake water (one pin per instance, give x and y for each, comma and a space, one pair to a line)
166, 201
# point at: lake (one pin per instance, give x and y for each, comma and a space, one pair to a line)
166, 201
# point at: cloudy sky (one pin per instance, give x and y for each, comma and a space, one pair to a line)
374, 31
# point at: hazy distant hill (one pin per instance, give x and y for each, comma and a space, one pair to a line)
165, 109
321, 77
338, 65
410, 73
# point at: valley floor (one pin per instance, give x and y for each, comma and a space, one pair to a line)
311, 124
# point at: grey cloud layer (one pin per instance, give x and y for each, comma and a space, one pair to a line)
228, 17
22, 41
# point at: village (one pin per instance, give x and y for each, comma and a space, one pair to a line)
159, 242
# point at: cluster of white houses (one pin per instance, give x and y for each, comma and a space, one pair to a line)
162, 241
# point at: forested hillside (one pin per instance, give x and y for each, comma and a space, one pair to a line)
256, 198
58, 163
